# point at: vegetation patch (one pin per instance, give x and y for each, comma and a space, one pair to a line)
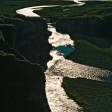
9, 7
90, 9
93, 96
92, 55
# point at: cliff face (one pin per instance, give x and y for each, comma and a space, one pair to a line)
94, 26
31, 38
23, 82
24, 85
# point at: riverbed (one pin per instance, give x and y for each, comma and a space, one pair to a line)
60, 67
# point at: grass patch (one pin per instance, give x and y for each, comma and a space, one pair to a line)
90, 54
93, 96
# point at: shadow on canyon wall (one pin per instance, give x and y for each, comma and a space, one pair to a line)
23, 46
93, 26
92, 36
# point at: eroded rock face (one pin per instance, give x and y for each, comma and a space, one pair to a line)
24, 85
22, 82
93, 26
31, 38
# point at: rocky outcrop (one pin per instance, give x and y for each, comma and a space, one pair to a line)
31, 38
94, 26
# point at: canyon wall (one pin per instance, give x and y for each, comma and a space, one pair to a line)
94, 26
23, 46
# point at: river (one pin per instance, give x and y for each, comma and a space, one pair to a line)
57, 98
59, 67
62, 46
